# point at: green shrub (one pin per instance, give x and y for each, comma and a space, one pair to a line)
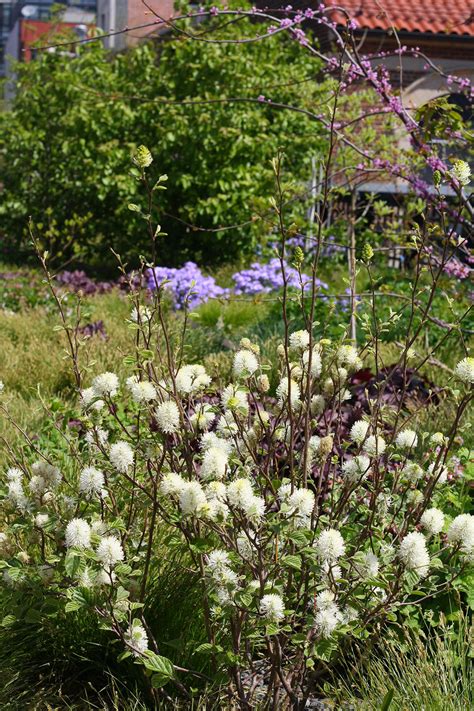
76, 183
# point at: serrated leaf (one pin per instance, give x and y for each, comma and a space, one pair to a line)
162, 668
292, 561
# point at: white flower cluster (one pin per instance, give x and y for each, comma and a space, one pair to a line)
414, 554
142, 391
245, 364
330, 546
356, 469
191, 379
328, 615
167, 417
464, 371
121, 456
137, 638
461, 533
225, 580
406, 439
272, 607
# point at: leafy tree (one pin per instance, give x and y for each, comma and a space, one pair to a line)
76, 118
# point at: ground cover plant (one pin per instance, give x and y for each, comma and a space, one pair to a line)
236, 484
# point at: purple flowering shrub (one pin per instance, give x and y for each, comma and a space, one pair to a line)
187, 284
78, 280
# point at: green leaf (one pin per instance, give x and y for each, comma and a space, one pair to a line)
162, 668
73, 563
387, 700
8, 620
292, 561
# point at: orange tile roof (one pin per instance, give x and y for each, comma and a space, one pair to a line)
450, 17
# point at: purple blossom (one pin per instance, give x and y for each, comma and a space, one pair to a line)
188, 285
264, 278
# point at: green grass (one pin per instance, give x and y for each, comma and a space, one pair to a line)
433, 672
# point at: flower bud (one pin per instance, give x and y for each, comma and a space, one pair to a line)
142, 157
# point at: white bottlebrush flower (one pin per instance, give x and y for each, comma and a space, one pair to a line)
37, 485
330, 545
461, 531
244, 547
461, 172
406, 439
254, 509
371, 565
289, 390
142, 391
299, 340
318, 404
105, 576
172, 484
167, 417
240, 493
91, 481
348, 357
328, 616
2, 386
210, 439
192, 499
302, 502
432, 521
140, 315
191, 379
110, 551
272, 607
97, 437
214, 463
245, 364
87, 397
14, 474
464, 371
217, 560
374, 446
78, 534
121, 456
356, 469
226, 425
331, 572
216, 490
412, 472
16, 495
50, 473
284, 492
235, 400
439, 472
41, 519
105, 384
98, 527
413, 553
359, 431
203, 417
316, 362
137, 638
216, 509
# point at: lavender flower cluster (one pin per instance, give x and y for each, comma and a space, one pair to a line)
187, 284
265, 278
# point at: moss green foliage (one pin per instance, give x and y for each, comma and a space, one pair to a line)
75, 180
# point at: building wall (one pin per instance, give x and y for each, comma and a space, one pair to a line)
113, 15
